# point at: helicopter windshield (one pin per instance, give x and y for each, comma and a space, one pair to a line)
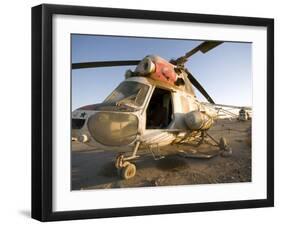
128, 93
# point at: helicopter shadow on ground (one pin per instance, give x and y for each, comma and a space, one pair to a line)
92, 168
96, 170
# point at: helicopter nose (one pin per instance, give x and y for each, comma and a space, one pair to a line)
113, 128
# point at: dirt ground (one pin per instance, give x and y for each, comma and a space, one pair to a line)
94, 169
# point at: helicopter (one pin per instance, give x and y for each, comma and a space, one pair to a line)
155, 106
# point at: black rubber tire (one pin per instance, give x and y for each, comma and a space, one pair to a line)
128, 171
227, 152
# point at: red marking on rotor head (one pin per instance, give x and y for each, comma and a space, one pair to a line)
164, 71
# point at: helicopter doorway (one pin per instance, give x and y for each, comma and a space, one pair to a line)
159, 111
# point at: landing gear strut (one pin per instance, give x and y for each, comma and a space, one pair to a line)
126, 169
226, 150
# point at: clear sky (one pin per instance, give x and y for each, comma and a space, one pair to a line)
225, 71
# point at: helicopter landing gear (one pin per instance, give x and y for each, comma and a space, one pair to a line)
129, 171
124, 168
226, 149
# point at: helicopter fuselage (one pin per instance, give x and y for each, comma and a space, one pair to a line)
150, 113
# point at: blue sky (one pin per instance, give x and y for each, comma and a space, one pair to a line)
225, 71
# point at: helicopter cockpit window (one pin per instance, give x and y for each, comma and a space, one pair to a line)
159, 111
128, 93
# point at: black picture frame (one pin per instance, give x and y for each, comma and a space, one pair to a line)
42, 111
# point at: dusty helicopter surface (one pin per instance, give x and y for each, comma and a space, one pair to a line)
154, 111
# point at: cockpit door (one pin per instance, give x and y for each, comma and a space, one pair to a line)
159, 118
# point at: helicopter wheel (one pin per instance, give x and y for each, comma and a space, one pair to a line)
226, 150
128, 171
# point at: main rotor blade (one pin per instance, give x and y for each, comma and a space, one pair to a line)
208, 45
198, 86
104, 64
203, 47
233, 106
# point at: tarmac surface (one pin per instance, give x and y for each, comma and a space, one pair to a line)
94, 169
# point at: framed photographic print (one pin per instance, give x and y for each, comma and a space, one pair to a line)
146, 112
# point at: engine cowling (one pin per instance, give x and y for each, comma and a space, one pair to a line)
197, 120
146, 66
